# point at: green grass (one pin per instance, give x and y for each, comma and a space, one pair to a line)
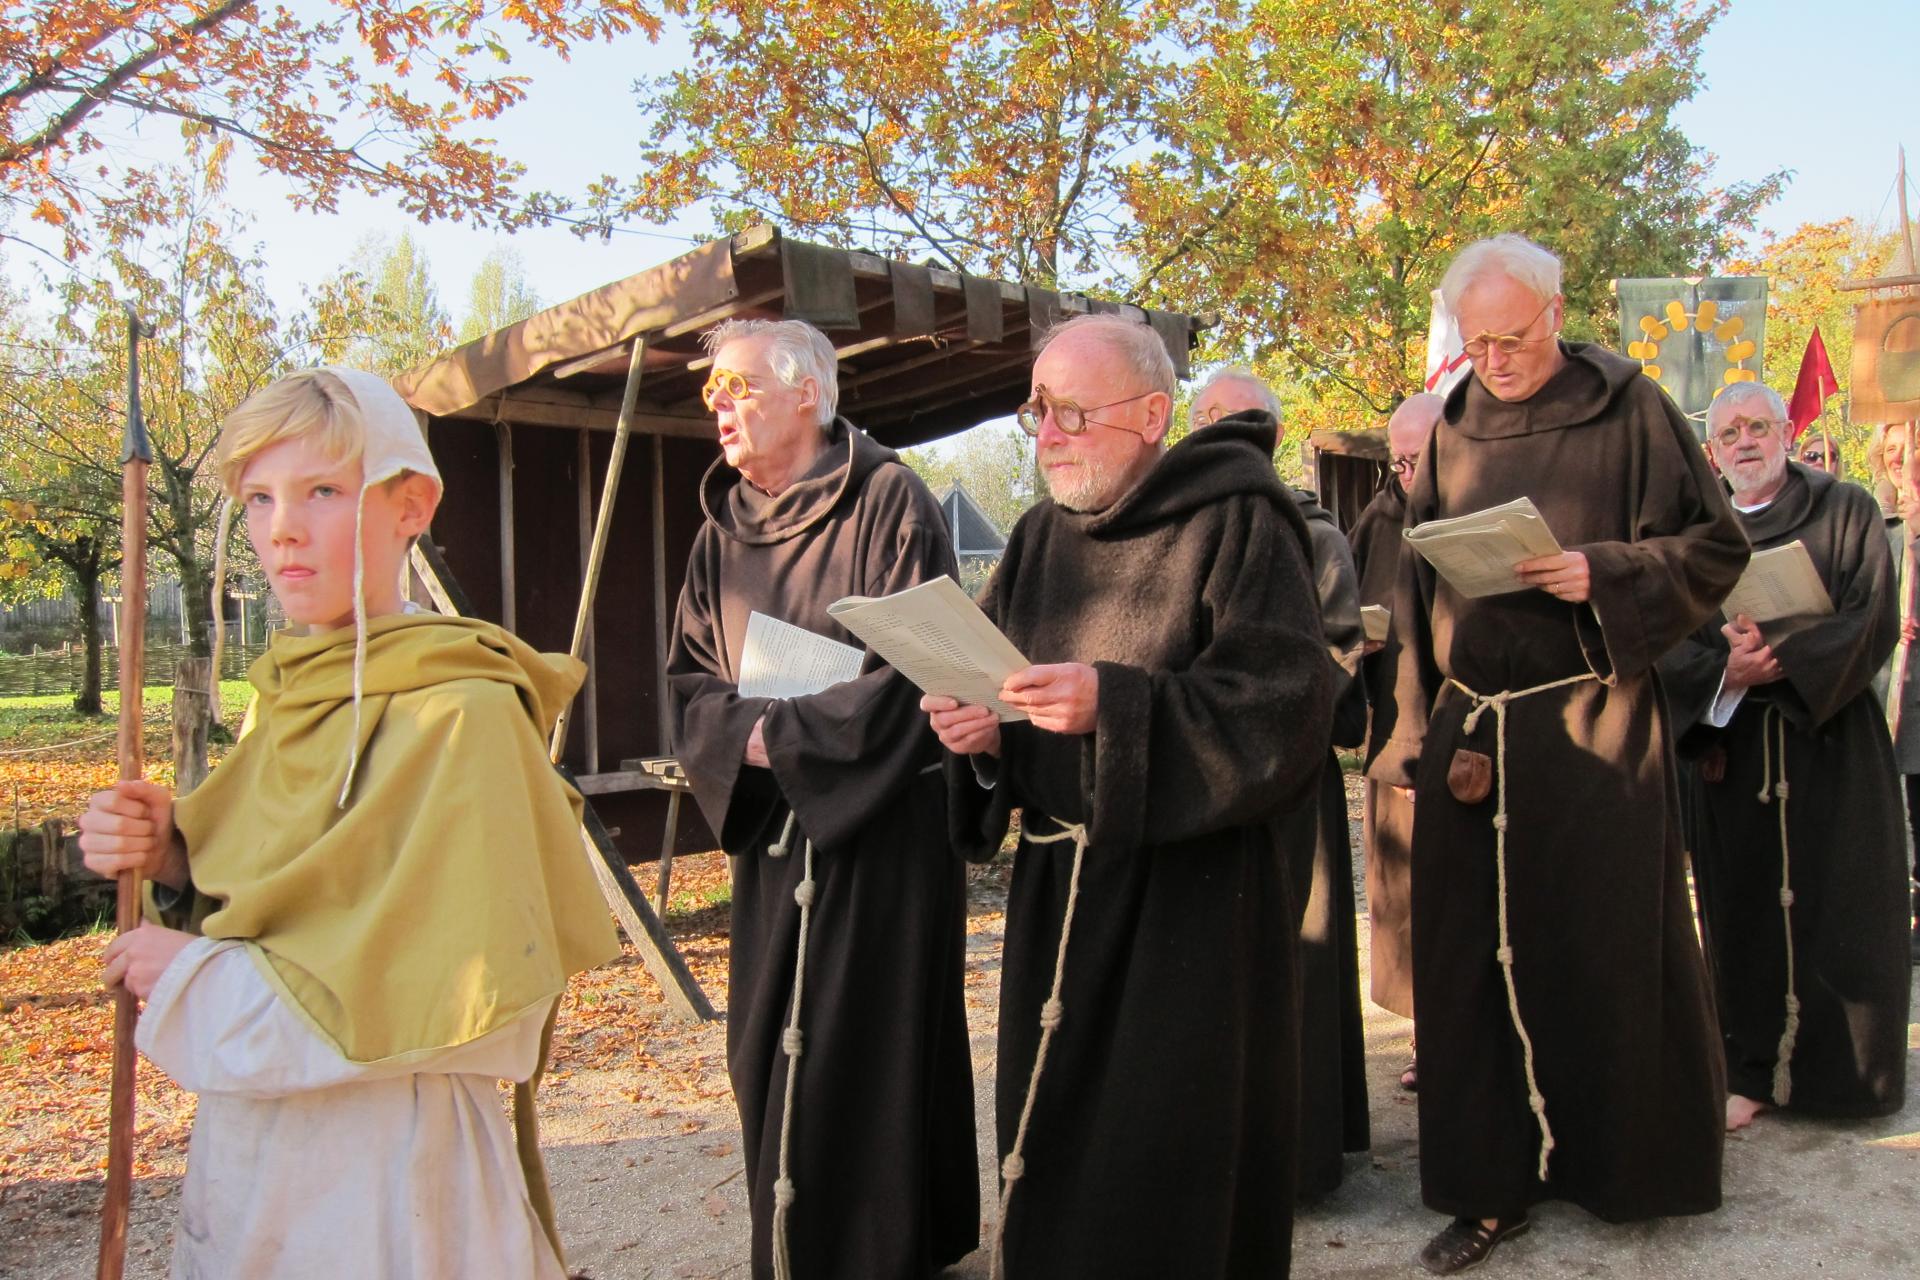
37, 720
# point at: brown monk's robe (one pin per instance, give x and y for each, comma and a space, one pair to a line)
883, 1161
1611, 985
1333, 1041
1387, 818
1162, 1137
1846, 840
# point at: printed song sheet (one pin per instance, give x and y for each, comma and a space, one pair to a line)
780, 660
936, 637
1375, 620
1779, 582
1476, 553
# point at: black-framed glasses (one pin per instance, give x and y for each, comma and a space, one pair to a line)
1815, 456
1068, 416
1756, 428
1506, 344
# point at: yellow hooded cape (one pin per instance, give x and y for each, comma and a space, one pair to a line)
451, 893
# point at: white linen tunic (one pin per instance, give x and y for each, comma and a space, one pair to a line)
303, 1164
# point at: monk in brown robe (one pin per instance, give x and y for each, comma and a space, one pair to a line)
1333, 1043
1568, 1048
856, 1117
1178, 724
1387, 827
1799, 848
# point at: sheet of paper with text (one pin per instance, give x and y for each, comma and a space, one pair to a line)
1777, 583
935, 636
780, 660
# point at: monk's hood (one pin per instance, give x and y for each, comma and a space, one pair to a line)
406, 652
1804, 489
1310, 509
745, 514
1234, 456
1584, 390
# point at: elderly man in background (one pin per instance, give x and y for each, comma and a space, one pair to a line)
1177, 724
1568, 1048
1802, 909
1333, 1046
1898, 686
1387, 818
856, 1118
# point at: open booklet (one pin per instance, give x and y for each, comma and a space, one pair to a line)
1376, 620
1476, 553
1779, 582
935, 636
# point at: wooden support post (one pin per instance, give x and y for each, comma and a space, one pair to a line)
665, 745
192, 712
668, 839
590, 694
603, 527
503, 439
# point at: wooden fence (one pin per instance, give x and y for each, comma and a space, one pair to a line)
59, 671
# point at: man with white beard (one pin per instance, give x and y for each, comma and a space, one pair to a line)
1178, 721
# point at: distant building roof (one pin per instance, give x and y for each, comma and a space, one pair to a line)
973, 531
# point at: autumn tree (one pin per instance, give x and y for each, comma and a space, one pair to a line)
385, 97
387, 289
499, 294
172, 251
1302, 169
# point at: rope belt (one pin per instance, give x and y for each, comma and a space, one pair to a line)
1773, 784
1536, 1101
790, 1042
1051, 1012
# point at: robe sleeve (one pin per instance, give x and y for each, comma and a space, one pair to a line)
1833, 660
1690, 676
711, 721
1686, 553
1413, 675
836, 756
1225, 741
215, 1025
841, 755
1338, 590
980, 798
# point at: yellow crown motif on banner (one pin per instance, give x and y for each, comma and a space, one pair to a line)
1727, 332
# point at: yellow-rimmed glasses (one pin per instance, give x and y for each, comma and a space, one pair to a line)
1210, 416
1758, 428
1402, 467
1068, 416
1506, 344
735, 384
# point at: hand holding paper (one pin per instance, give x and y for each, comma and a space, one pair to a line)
936, 637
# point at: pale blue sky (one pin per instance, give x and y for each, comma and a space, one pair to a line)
1824, 90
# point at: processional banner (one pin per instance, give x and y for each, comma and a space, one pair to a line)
1886, 362
1695, 337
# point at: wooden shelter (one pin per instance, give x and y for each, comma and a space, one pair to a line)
1349, 467
522, 423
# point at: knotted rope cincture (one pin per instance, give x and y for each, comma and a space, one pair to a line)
1536, 1101
1773, 783
790, 1043
1051, 1012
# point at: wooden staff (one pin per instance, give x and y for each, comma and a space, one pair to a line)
136, 455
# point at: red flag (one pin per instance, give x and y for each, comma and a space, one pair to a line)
1811, 389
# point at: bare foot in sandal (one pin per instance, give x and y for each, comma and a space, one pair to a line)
1741, 1111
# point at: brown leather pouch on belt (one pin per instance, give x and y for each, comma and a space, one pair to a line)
1470, 776
1713, 765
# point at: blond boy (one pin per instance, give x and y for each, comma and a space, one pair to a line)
366, 915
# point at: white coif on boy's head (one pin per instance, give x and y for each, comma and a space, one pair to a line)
394, 442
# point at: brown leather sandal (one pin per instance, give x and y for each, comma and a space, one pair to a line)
1466, 1243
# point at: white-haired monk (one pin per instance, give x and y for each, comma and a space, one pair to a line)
1568, 1048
